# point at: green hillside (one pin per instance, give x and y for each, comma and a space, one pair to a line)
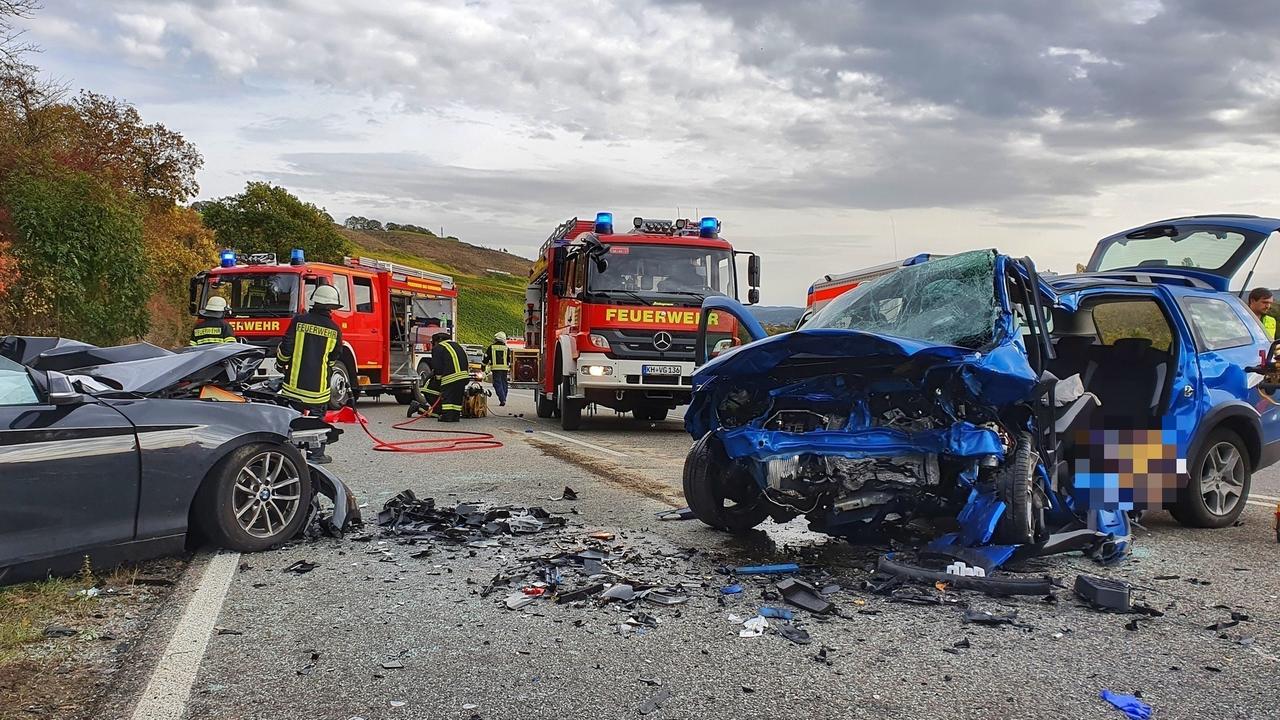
487, 301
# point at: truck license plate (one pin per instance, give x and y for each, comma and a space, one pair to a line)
660, 369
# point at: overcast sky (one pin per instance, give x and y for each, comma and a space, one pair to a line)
826, 136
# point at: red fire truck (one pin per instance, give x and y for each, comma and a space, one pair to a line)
388, 314
829, 287
612, 318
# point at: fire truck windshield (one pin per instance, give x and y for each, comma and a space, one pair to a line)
659, 269
255, 294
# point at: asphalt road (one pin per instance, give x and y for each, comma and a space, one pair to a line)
314, 645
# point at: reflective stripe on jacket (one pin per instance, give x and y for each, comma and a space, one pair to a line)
449, 361
498, 356
310, 346
211, 331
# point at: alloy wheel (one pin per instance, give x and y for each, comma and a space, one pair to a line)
267, 494
1222, 478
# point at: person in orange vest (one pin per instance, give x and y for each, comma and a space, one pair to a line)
497, 358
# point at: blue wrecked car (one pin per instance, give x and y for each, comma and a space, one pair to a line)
1009, 411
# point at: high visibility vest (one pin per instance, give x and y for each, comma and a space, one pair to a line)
449, 361
1269, 324
312, 343
499, 357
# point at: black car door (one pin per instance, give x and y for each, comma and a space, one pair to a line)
69, 470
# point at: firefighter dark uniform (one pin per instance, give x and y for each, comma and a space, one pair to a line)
497, 357
211, 329
449, 365
307, 352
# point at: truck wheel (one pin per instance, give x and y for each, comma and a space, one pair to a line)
542, 406
404, 398
570, 409
1219, 484
651, 414
256, 498
719, 491
341, 391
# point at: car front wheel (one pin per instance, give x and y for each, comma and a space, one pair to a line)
720, 493
1219, 484
255, 498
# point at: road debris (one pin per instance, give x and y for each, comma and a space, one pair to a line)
1104, 593
1131, 706
405, 515
301, 567
654, 703
778, 569
803, 595
753, 627
986, 617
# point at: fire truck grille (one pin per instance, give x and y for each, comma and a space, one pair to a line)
639, 345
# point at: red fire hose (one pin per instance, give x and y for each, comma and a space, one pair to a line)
461, 440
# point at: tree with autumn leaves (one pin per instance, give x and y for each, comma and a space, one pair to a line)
94, 243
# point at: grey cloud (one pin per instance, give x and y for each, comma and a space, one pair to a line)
297, 129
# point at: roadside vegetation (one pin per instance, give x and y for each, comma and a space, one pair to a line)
97, 240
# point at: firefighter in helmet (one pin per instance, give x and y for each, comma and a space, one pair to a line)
497, 357
211, 328
310, 347
449, 366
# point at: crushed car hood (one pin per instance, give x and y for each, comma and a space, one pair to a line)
232, 361
146, 369
999, 374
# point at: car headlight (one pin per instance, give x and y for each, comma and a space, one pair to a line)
598, 341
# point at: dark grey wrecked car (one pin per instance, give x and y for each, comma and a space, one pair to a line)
112, 453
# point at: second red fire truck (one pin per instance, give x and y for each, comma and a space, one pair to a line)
611, 318
388, 315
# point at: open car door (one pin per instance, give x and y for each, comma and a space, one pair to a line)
724, 324
1209, 248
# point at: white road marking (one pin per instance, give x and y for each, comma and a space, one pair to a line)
166, 695
1255, 496
1268, 505
584, 443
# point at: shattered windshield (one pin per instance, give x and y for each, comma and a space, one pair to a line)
948, 301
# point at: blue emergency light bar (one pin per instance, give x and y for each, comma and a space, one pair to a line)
709, 227
604, 223
228, 258
296, 257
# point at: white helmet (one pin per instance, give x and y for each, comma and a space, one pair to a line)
216, 307
326, 296
500, 336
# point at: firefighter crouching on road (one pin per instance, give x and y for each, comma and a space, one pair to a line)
497, 358
306, 355
211, 329
448, 380
449, 363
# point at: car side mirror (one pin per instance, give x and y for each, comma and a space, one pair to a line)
753, 296
61, 391
753, 270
